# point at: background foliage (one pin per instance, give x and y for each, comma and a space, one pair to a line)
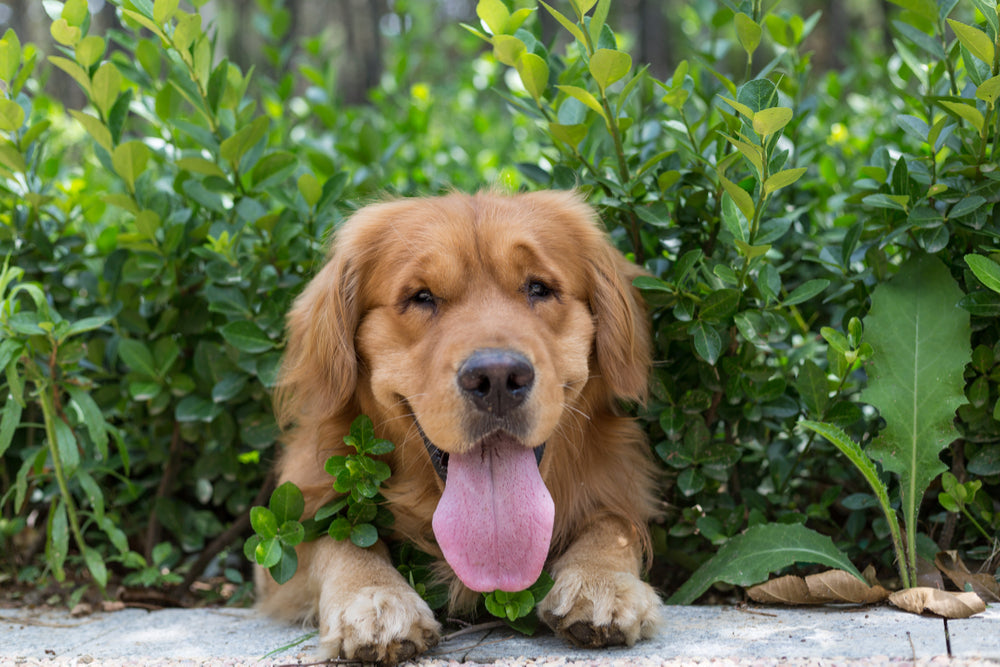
155, 235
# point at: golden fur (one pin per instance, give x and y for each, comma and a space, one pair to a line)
358, 344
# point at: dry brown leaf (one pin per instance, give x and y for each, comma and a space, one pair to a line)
983, 584
840, 586
829, 586
789, 589
942, 603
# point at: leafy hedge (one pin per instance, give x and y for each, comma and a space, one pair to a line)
154, 239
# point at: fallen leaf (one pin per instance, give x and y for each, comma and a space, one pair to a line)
828, 586
983, 584
942, 603
789, 589
839, 586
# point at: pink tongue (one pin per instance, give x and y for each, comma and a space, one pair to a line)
494, 520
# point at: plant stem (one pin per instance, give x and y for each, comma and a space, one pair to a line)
49, 417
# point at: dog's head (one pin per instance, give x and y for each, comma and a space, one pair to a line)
472, 324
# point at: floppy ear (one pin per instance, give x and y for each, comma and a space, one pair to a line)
319, 371
622, 337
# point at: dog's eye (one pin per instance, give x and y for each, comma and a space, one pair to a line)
424, 298
538, 290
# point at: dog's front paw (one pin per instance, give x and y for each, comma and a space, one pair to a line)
377, 624
595, 609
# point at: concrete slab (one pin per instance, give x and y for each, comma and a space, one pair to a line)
755, 635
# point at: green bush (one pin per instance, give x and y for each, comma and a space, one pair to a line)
154, 240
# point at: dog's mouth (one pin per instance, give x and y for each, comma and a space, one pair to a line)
495, 517
439, 458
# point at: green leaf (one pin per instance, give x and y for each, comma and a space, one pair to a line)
11, 116
10, 56
235, 147
129, 160
105, 87
364, 535
748, 32
586, 97
64, 33
95, 563
269, 551
989, 90
975, 40
10, 419
866, 467
95, 128
310, 188
986, 270
288, 563
287, 503
813, 388
164, 10
707, 342
247, 337
741, 198
534, 73
783, 178
508, 49
608, 66
573, 28
137, 356
720, 305
967, 112
494, 14
78, 73
747, 559
806, 291
768, 121
264, 523
920, 339
57, 539
196, 409
91, 415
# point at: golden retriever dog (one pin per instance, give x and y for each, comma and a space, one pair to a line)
492, 338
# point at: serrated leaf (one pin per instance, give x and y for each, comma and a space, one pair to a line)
749, 558
920, 339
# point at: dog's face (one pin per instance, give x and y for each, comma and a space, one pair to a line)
471, 325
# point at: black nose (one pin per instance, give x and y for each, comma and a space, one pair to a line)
496, 381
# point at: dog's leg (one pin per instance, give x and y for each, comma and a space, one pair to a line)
598, 598
365, 610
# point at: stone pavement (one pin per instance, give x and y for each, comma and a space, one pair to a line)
691, 635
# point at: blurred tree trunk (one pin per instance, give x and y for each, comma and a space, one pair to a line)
655, 46
362, 68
